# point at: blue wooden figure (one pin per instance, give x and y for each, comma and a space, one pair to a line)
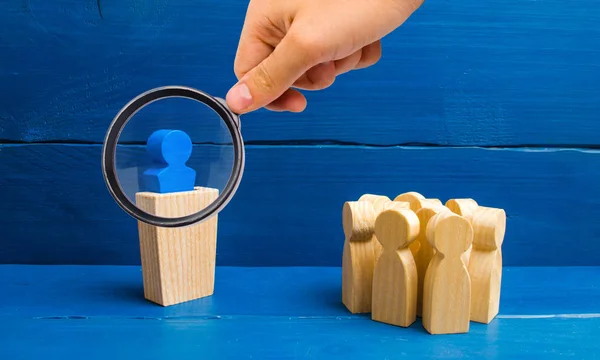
169, 150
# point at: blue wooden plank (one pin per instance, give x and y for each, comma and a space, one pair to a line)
54, 292
64, 311
511, 73
55, 208
294, 338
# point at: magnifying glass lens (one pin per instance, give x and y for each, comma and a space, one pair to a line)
174, 157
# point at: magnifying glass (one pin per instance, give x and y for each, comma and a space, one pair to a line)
197, 179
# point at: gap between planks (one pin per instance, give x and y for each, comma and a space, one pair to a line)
279, 317
335, 144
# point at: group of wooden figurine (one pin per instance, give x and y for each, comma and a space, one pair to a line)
418, 257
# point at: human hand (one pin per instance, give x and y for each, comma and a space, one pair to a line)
305, 44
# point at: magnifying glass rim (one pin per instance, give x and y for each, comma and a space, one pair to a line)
128, 111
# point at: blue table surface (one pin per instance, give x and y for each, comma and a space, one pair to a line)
98, 312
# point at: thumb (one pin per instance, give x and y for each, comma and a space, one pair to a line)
271, 77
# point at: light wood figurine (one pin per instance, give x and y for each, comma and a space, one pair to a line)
395, 276
422, 249
485, 267
416, 200
380, 203
359, 254
447, 287
464, 208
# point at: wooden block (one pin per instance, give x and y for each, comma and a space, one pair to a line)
358, 259
422, 250
447, 287
485, 267
178, 264
464, 208
416, 200
395, 276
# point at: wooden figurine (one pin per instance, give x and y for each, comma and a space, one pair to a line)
464, 208
422, 250
395, 275
380, 203
416, 200
396, 205
485, 267
447, 286
178, 264
359, 254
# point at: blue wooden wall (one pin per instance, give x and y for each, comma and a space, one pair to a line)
498, 101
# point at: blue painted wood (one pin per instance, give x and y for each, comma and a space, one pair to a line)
36, 291
169, 150
287, 210
65, 311
510, 73
292, 338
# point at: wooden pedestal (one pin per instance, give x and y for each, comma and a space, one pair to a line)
178, 264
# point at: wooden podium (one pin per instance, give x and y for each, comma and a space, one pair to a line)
178, 264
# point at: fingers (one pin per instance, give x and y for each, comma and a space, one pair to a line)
276, 70
273, 76
257, 42
370, 55
250, 53
291, 100
318, 77
323, 75
348, 63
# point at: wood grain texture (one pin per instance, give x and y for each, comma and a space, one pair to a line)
380, 203
71, 219
289, 312
511, 73
359, 255
178, 264
485, 265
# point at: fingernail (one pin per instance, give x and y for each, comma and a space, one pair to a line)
239, 97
